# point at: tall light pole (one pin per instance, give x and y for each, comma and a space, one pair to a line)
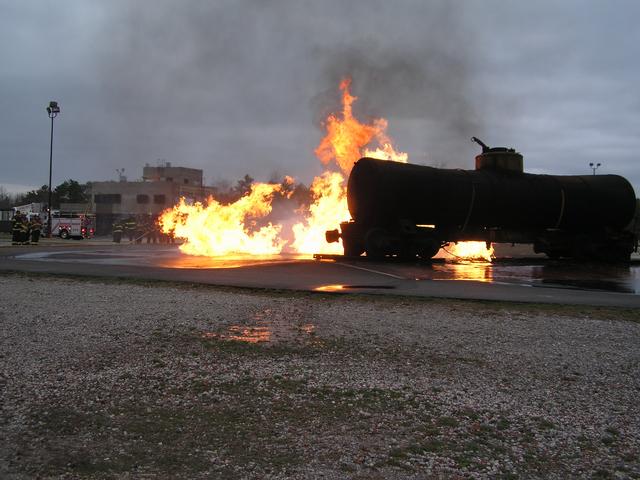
594, 167
53, 110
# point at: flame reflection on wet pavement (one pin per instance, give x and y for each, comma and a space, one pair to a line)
622, 278
242, 334
265, 326
474, 271
229, 261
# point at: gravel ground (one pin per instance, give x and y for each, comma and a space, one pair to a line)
132, 380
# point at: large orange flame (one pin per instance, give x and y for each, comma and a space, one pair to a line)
347, 138
344, 144
216, 229
328, 209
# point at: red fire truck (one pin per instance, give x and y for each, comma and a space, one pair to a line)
72, 225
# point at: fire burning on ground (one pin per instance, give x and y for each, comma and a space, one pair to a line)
468, 251
244, 226
215, 229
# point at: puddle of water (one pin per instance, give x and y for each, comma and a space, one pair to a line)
341, 288
237, 333
329, 288
584, 276
271, 326
231, 261
308, 328
471, 271
161, 257
610, 278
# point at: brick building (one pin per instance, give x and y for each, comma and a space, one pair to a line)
160, 188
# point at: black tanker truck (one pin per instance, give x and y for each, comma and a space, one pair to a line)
412, 211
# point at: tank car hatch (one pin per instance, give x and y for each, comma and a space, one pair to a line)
498, 158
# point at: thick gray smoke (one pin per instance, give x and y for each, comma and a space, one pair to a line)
423, 81
241, 86
428, 103
238, 87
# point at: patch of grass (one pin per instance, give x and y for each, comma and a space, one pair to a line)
232, 347
503, 424
288, 385
398, 453
608, 441
339, 404
428, 446
431, 430
79, 443
345, 467
586, 443
335, 346
469, 413
602, 474
171, 440
473, 446
486, 428
200, 386
464, 461
67, 420
580, 311
447, 422
228, 428
614, 432
84, 462
544, 424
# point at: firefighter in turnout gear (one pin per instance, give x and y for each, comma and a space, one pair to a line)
152, 229
117, 232
130, 228
24, 230
16, 223
36, 227
140, 229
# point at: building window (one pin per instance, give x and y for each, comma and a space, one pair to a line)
142, 198
107, 198
186, 181
159, 199
169, 179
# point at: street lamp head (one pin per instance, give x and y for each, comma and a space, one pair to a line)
53, 109
591, 165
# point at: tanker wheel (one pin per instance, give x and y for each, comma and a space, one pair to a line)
376, 243
408, 252
352, 248
427, 252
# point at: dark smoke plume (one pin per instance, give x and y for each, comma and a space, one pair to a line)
226, 86
424, 86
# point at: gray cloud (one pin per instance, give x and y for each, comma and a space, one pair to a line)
238, 87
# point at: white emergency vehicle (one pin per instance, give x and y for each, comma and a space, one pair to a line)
72, 225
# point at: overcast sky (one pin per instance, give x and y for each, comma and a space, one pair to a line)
237, 87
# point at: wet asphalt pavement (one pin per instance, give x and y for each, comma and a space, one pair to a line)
527, 279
